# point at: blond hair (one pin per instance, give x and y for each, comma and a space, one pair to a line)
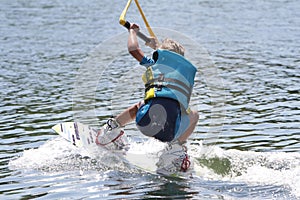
172, 45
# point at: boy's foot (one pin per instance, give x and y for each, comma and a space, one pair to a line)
111, 136
174, 159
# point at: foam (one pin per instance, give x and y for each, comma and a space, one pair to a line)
210, 162
253, 168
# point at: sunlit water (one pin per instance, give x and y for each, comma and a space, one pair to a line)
245, 146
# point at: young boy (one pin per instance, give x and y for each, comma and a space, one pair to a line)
164, 113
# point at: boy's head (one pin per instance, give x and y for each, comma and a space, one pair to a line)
172, 45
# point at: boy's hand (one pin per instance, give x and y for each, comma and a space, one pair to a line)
135, 27
153, 43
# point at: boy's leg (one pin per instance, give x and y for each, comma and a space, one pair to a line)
193, 116
129, 114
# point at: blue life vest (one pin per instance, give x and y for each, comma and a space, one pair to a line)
172, 76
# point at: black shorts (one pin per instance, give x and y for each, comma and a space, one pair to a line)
160, 118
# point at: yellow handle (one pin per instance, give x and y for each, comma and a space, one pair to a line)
122, 20
145, 20
125, 23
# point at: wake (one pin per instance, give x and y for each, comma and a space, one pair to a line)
210, 162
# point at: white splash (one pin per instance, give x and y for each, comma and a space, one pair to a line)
53, 155
253, 168
212, 163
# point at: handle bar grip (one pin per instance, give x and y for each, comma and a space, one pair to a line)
139, 34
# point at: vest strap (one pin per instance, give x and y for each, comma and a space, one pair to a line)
174, 87
162, 80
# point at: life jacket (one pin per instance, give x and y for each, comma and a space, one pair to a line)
172, 76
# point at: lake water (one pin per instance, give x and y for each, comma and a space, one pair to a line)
66, 61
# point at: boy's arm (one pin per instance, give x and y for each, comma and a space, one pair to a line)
133, 45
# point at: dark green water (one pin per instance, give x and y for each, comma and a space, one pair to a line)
65, 61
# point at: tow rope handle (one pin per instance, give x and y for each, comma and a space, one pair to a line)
139, 34
126, 23
145, 20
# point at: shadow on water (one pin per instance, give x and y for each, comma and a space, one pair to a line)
172, 189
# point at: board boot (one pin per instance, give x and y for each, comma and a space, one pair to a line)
111, 136
173, 160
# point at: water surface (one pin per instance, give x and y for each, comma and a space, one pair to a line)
246, 144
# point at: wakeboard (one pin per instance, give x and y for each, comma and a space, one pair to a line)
84, 136
87, 138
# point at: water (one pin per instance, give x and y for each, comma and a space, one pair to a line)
246, 144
